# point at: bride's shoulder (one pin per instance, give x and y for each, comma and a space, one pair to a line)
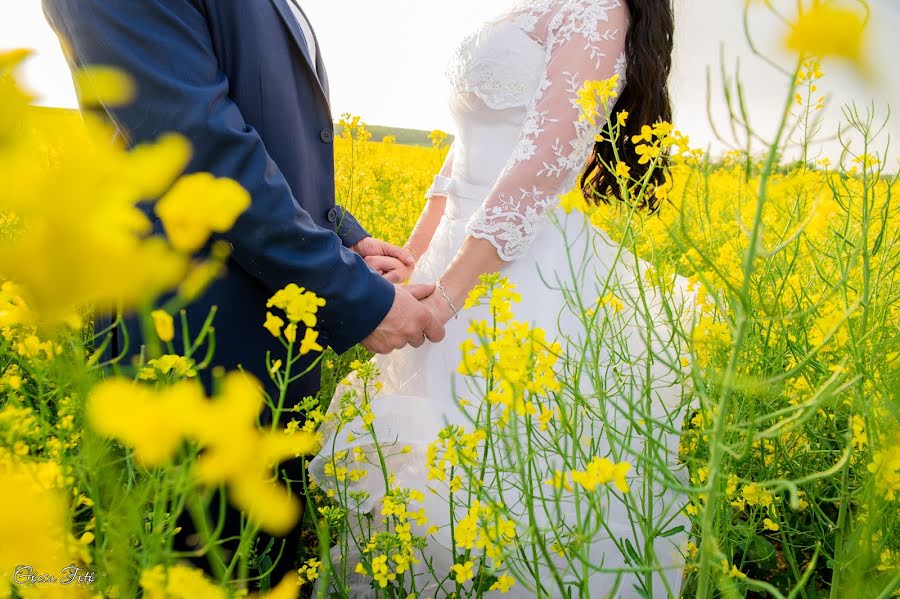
553, 18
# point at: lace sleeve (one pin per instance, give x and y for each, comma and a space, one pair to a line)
441, 185
585, 41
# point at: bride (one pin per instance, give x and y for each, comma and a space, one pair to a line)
522, 143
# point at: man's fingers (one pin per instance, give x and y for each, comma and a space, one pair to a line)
420, 290
401, 254
393, 276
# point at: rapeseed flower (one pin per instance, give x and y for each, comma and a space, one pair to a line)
601, 471
828, 29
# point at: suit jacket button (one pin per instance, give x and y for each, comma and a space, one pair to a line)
327, 135
332, 215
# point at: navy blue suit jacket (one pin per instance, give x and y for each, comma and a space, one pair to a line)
235, 77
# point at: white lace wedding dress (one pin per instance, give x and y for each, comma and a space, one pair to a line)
520, 144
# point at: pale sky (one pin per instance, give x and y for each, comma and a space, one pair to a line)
386, 60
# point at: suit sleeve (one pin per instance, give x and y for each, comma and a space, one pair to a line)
348, 228
166, 47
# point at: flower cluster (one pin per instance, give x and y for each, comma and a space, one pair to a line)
601, 471
594, 99
488, 530
389, 554
156, 422
518, 358
453, 448
301, 307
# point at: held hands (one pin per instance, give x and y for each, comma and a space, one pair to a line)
393, 263
409, 321
440, 306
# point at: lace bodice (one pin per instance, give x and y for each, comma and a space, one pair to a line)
514, 84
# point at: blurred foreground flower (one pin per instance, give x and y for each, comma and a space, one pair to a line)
34, 526
74, 235
236, 453
184, 582
199, 205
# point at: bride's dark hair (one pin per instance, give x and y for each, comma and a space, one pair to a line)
648, 50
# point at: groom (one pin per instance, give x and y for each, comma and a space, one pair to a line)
244, 81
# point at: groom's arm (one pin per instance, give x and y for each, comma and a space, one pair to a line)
348, 228
166, 48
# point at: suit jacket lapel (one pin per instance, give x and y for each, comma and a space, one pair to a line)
281, 6
320, 64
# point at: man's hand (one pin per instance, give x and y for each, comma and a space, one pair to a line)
407, 322
394, 263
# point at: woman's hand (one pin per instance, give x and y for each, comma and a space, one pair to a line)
439, 306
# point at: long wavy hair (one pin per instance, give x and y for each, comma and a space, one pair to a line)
648, 51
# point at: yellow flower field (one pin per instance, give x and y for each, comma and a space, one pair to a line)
789, 427
799, 345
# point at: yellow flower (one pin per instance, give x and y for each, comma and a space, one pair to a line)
758, 495
733, 572
463, 572
273, 324
611, 301
646, 153
310, 342
860, 438
179, 366
594, 98
768, 524
601, 471
155, 166
99, 85
290, 332
559, 481
646, 135
200, 277
826, 29
179, 582
308, 572
380, 571
199, 205
289, 586
438, 138
32, 492
80, 237
165, 327
299, 304
545, 417
573, 200
885, 466
142, 418
504, 583
236, 452
622, 170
